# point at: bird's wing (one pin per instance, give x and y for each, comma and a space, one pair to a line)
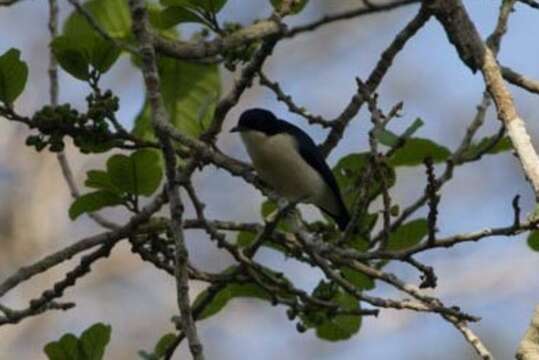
310, 152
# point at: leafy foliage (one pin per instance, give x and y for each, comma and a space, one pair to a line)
416, 150
140, 173
389, 138
348, 171
73, 56
533, 240
212, 6
160, 348
174, 15
216, 299
81, 49
13, 76
358, 279
485, 145
408, 235
184, 11
93, 201
297, 6
330, 326
111, 15
229, 292
90, 346
190, 92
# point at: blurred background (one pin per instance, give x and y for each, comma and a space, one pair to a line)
495, 279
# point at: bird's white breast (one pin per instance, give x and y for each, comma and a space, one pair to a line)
278, 162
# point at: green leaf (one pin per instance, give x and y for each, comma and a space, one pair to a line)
268, 208
85, 46
503, 145
386, 137
145, 356
13, 76
232, 290
147, 168
163, 344
533, 240
111, 15
94, 341
139, 173
296, 7
348, 171
190, 92
416, 150
361, 232
90, 346
160, 348
73, 56
359, 243
412, 128
358, 279
484, 147
213, 6
99, 179
67, 348
341, 327
229, 292
408, 235
104, 54
328, 325
143, 123
389, 138
245, 239
174, 15
92, 202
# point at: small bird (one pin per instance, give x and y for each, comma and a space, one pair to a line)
286, 158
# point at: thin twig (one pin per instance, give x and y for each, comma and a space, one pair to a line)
471, 338
292, 107
433, 201
245, 80
374, 79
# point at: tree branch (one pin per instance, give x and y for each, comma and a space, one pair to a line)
159, 118
520, 80
258, 31
474, 53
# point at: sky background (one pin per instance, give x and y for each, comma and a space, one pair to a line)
495, 279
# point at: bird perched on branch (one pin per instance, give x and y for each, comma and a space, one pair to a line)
286, 158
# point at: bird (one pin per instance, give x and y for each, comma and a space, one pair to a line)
289, 161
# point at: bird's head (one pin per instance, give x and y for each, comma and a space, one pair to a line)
258, 120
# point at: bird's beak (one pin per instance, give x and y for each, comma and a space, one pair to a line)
236, 129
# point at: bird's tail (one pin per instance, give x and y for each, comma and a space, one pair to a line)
342, 218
